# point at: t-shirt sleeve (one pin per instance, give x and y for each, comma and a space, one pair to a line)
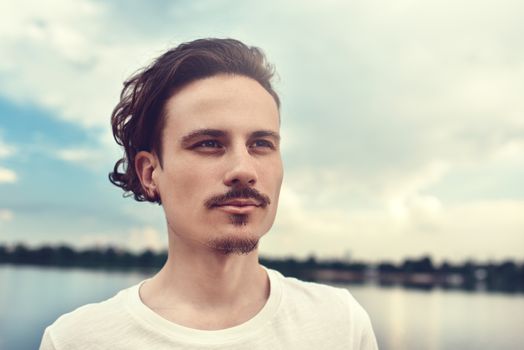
47, 342
363, 330
368, 341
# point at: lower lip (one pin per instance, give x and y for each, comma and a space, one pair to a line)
232, 209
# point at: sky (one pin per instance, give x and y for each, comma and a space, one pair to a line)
402, 122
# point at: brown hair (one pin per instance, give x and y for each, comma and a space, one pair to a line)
138, 118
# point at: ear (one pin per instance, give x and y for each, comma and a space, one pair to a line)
145, 166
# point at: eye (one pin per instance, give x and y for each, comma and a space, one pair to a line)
263, 143
207, 144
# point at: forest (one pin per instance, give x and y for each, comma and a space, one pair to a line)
420, 273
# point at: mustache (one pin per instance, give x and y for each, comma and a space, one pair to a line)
247, 192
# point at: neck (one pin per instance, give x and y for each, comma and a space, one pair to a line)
207, 280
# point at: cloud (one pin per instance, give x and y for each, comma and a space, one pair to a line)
94, 240
425, 226
6, 215
98, 155
94, 158
145, 238
6, 150
82, 75
135, 239
7, 176
78, 155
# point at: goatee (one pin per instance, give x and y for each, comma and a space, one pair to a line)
234, 245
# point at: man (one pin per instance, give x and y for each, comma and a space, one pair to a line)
200, 129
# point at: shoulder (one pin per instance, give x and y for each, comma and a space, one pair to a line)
93, 311
317, 293
78, 326
329, 304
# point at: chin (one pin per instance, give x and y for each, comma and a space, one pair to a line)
235, 244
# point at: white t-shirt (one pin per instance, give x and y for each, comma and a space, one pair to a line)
297, 315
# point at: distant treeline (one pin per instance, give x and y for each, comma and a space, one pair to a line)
412, 273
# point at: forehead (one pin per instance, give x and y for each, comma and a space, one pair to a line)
229, 102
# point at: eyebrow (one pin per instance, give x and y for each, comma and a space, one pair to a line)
187, 139
266, 133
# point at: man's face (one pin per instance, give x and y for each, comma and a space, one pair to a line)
222, 168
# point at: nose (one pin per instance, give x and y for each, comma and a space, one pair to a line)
241, 171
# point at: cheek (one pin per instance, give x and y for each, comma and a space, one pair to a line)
275, 174
183, 184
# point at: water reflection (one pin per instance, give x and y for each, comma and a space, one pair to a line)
32, 298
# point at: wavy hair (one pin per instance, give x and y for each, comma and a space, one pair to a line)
139, 117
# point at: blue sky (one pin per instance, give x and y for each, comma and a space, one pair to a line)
402, 122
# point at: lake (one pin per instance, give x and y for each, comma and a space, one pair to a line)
33, 297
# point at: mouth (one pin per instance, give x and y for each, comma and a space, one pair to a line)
238, 206
239, 203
